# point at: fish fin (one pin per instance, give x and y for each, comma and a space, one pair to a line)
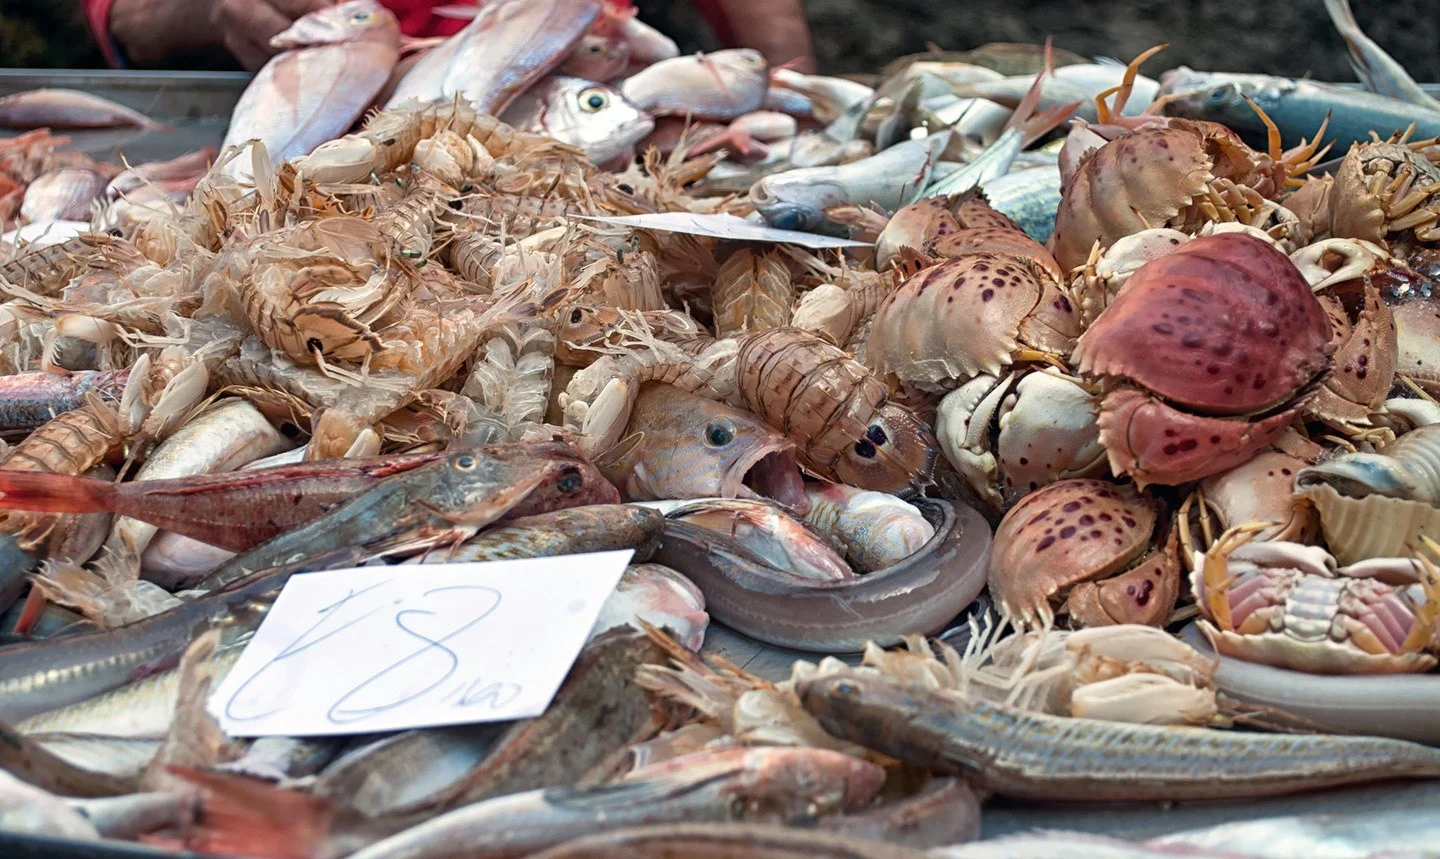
411, 44
458, 12
241, 816
40, 492
30, 612
639, 792
195, 737
31, 762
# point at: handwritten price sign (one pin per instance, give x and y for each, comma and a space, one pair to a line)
391, 648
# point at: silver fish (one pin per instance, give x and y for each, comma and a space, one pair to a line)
877, 530
1027, 197
29, 810
720, 85
1380, 71
585, 114
769, 531
659, 596
797, 199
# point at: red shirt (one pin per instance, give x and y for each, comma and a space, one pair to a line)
417, 18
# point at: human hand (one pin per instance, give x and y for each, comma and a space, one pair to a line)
246, 26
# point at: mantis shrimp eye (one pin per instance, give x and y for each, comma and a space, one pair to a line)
864, 448
576, 315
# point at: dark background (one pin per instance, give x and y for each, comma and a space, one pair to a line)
1287, 37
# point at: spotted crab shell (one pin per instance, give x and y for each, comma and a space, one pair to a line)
914, 226
968, 316
996, 240
1378, 505
1048, 431
1417, 342
1364, 364
1068, 532
1138, 180
1223, 324
1261, 490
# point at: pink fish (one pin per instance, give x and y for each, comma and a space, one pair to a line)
332, 64
67, 108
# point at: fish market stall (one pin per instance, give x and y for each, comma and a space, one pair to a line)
536, 442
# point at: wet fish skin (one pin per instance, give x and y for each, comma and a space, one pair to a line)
771, 533
732, 840
66, 109
62, 195
875, 529
1029, 197
1381, 73
720, 85
588, 115
125, 757
30, 810
29, 400
659, 596
510, 45
691, 447
1031, 755
597, 57
572, 531
1367, 833
280, 758
136, 814
332, 63
790, 784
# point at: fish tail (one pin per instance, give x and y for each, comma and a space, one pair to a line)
242, 816
41, 492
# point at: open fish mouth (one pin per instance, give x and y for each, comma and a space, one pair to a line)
769, 471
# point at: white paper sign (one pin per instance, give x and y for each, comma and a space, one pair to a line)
727, 227
390, 648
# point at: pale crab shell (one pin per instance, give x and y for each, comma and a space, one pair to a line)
1390, 498
1358, 210
1107, 273
968, 316
1261, 490
1049, 431
1329, 262
1417, 343
962, 425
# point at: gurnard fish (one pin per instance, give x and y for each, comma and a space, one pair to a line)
591, 116
331, 64
67, 108
508, 47
685, 446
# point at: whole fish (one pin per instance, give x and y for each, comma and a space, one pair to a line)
331, 64
67, 108
1380, 71
29, 400
829, 97
787, 785
1028, 197
29, 810
1297, 107
234, 510
720, 85
1101, 75
771, 533
584, 114
659, 596
597, 57
508, 47
876, 529
797, 199
572, 531
223, 437
1025, 754
62, 195
685, 446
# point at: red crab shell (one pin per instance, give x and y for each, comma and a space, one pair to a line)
1224, 324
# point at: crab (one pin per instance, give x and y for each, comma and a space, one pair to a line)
1287, 605
1102, 277
1417, 343
1344, 275
1012, 435
919, 226
1091, 547
1207, 355
1383, 188
1260, 490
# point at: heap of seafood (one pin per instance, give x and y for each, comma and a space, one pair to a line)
1129, 407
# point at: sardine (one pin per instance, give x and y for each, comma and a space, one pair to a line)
572, 531
584, 114
29, 400
62, 195
29, 810
67, 108
720, 85
124, 757
1030, 198
224, 437
769, 531
917, 596
797, 199
508, 47
1297, 107
1025, 754
659, 596
876, 529
788, 785
685, 446
331, 64
1380, 71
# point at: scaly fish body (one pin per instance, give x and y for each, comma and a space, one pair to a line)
1023, 754
662, 598
510, 45
26, 809
1381, 73
572, 531
62, 195
720, 85
790, 784
331, 64
597, 57
29, 400
1028, 197
771, 533
582, 113
123, 757
876, 529
67, 108
690, 447
797, 199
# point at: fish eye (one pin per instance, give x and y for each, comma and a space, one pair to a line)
865, 448
465, 462
576, 315
595, 49
594, 101
360, 17
571, 481
719, 434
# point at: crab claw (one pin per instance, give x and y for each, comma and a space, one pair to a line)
1422, 629
1215, 572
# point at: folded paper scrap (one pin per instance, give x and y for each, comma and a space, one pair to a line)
726, 227
390, 648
